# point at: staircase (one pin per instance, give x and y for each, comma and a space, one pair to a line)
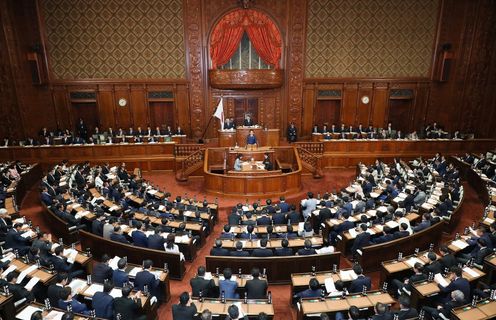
310, 154
193, 161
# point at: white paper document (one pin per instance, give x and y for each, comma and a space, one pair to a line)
329, 285
29, 286
438, 278
94, 288
471, 272
26, 313
25, 272
460, 244
347, 275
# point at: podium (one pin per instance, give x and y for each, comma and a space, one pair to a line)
265, 137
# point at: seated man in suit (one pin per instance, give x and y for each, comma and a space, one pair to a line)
478, 253
248, 122
457, 300
307, 250
60, 263
102, 271
407, 284
200, 284
249, 232
14, 240
457, 283
228, 286
447, 258
433, 266
147, 279
381, 312
16, 289
54, 290
227, 234
139, 236
405, 311
360, 282
387, 235
218, 250
185, 310
102, 302
361, 240
156, 241
234, 314
263, 251
66, 299
424, 224
118, 236
313, 291
128, 307
256, 288
268, 165
239, 250
285, 250
120, 276
403, 232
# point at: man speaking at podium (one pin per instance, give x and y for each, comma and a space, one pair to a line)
251, 139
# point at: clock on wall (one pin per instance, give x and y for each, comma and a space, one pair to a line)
365, 100
122, 102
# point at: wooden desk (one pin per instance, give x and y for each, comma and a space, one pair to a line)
332, 305
279, 269
483, 310
7, 309
252, 308
272, 243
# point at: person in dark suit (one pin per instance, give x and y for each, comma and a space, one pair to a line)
403, 232
156, 241
147, 279
127, 307
239, 251
447, 259
361, 240
256, 288
264, 219
405, 311
200, 284
184, 310
17, 290
457, 283
263, 251
292, 133
234, 218
424, 224
66, 300
139, 236
249, 233
54, 290
387, 235
289, 234
227, 234
478, 254
120, 276
228, 286
313, 291
361, 281
118, 236
342, 227
102, 302
307, 250
406, 285
268, 165
14, 240
293, 216
97, 224
433, 266
285, 250
233, 313
60, 264
457, 300
218, 250
381, 312
102, 271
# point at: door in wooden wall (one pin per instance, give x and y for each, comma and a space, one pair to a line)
399, 114
243, 106
88, 111
162, 114
327, 112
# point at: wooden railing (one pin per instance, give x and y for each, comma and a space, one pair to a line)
184, 150
311, 162
313, 147
190, 164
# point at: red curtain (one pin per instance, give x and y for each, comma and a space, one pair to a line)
261, 30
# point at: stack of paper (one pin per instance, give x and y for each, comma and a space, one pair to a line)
9, 270
28, 234
460, 244
438, 278
353, 233
116, 293
329, 285
471, 272
134, 271
113, 262
76, 285
25, 272
347, 275
29, 286
412, 261
26, 313
94, 288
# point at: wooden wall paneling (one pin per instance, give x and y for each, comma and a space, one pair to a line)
348, 112
309, 101
196, 62
379, 102
139, 108
295, 69
350, 104
123, 115
106, 104
181, 104
420, 108
60, 98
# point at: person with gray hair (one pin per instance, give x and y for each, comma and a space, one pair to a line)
443, 311
206, 315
